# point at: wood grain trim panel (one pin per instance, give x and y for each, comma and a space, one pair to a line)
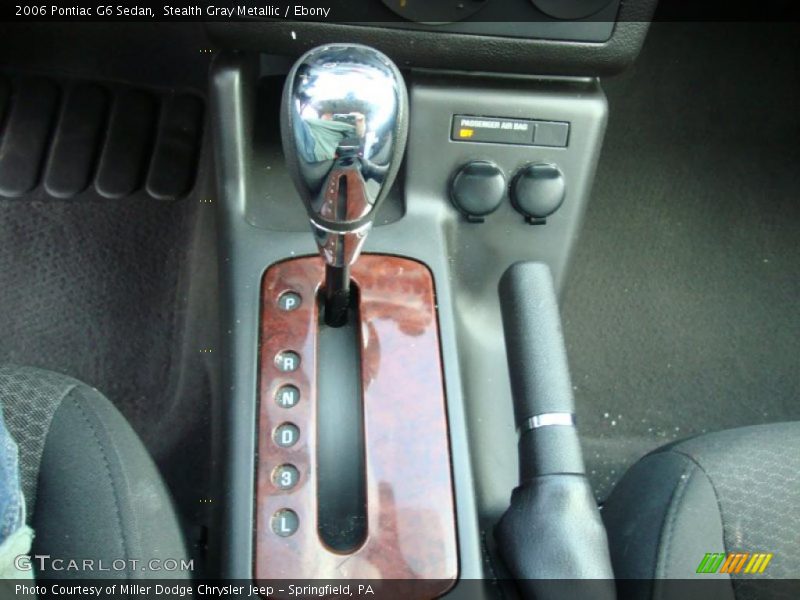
410, 509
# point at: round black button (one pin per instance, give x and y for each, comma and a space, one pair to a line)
289, 301
438, 11
538, 190
287, 396
478, 189
570, 10
285, 522
285, 477
287, 361
286, 435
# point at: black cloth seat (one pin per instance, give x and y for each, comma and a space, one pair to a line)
731, 491
92, 491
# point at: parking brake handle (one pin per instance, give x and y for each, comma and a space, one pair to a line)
551, 537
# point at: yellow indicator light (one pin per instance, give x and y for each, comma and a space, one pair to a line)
466, 133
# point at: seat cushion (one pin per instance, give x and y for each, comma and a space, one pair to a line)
98, 494
731, 491
30, 398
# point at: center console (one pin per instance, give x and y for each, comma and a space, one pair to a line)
411, 481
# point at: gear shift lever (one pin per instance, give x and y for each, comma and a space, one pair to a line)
344, 125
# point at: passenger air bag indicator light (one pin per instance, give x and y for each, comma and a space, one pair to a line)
502, 130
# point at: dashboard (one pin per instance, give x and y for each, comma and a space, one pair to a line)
529, 37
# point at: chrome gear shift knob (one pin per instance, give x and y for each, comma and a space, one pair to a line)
344, 123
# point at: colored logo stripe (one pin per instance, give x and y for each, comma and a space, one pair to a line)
710, 563
758, 563
734, 562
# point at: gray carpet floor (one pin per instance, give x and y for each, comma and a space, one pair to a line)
119, 292
681, 309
